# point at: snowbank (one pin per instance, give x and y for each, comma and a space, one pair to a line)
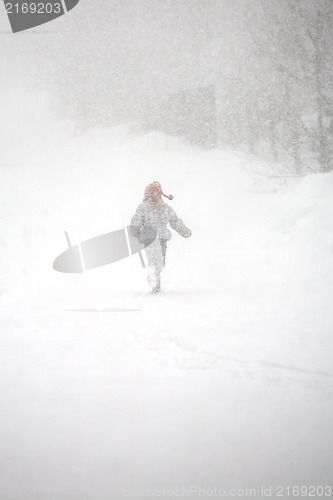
223, 380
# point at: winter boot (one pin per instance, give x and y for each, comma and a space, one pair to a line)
157, 287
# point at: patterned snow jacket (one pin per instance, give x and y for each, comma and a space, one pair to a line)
148, 218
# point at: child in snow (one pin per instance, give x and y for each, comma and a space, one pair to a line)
149, 225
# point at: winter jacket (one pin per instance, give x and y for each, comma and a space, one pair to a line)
148, 219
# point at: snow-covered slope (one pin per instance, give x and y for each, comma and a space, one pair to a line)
223, 380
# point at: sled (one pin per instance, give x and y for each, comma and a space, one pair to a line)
99, 251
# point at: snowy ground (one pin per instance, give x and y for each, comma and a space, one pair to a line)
222, 381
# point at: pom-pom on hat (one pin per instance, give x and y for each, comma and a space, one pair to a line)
155, 188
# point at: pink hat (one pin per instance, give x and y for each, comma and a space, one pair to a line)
155, 188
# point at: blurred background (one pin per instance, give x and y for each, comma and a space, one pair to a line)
226, 379
255, 76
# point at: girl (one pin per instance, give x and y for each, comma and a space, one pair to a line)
149, 225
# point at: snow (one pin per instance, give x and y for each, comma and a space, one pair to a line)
223, 380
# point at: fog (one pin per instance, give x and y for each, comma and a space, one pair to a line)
225, 380
253, 76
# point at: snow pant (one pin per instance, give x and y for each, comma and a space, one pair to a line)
156, 253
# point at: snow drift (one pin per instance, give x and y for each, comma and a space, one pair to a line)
224, 380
